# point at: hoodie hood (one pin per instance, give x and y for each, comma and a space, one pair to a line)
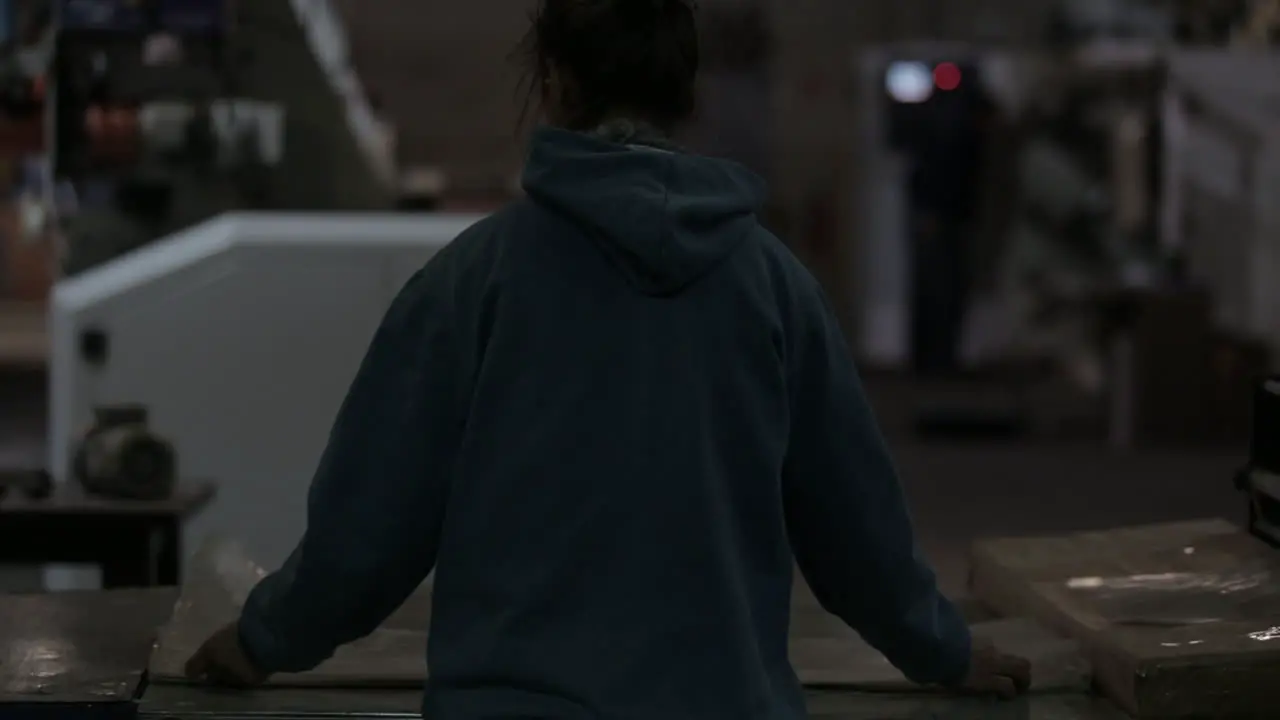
664, 218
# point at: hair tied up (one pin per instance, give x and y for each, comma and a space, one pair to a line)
637, 58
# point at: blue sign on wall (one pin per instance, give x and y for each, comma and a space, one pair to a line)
6, 20
101, 15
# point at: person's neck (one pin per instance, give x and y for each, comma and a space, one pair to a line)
627, 131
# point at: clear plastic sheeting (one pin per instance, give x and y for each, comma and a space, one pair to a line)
219, 578
1271, 633
230, 565
1183, 598
1205, 598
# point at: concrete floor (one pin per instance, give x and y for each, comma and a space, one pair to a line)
962, 493
1062, 480
959, 492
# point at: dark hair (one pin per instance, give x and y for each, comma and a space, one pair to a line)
632, 58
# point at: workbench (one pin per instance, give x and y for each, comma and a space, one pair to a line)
178, 703
135, 543
82, 655
77, 654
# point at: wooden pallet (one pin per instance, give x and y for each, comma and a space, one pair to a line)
1179, 619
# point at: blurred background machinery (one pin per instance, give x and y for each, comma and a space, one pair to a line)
1049, 228
1047, 219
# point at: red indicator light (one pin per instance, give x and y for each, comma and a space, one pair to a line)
946, 76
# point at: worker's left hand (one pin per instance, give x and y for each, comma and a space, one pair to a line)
221, 660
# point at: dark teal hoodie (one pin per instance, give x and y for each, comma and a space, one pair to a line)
609, 416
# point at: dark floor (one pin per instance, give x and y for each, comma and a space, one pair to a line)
959, 491
1062, 478
962, 493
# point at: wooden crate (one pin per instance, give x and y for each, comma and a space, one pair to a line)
24, 338
1179, 620
28, 263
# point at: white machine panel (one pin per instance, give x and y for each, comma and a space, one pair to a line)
241, 335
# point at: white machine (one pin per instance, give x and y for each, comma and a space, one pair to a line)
241, 335
908, 73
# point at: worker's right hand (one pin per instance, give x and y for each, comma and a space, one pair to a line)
222, 660
994, 673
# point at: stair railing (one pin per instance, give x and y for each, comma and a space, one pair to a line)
327, 37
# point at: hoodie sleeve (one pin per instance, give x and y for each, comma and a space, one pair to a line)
847, 515
377, 500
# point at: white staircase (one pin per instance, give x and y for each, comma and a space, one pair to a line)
325, 33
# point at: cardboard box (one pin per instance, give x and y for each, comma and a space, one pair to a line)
28, 263
1180, 620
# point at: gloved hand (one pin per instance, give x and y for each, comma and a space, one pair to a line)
222, 660
992, 672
